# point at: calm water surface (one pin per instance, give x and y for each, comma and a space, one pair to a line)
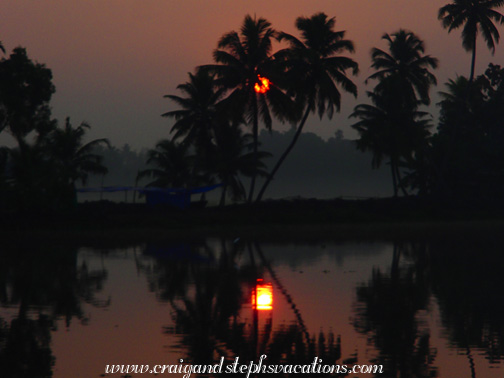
421, 309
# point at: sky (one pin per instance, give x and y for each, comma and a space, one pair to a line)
114, 60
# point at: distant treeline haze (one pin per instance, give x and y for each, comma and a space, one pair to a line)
316, 169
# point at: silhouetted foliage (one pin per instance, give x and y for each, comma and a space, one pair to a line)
387, 311
466, 280
393, 126
230, 160
404, 69
173, 166
25, 91
470, 136
476, 16
219, 145
46, 285
314, 68
41, 175
41, 172
242, 59
198, 117
208, 290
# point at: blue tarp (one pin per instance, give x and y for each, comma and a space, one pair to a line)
178, 197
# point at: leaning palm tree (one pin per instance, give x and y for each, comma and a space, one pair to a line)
476, 16
406, 61
245, 69
316, 67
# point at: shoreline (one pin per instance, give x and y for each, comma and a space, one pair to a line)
294, 221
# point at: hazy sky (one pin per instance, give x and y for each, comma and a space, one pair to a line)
113, 60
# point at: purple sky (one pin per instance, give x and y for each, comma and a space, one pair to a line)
113, 60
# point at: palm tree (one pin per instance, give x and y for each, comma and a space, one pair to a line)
393, 126
476, 16
31, 176
73, 159
229, 160
173, 166
388, 130
460, 141
406, 62
387, 313
244, 60
198, 116
315, 66
43, 173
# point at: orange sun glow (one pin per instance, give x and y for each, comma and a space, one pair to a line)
262, 296
263, 86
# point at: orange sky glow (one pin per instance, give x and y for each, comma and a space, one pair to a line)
113, 60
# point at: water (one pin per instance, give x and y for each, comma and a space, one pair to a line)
421, 309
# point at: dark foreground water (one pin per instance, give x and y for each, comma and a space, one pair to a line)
432, 308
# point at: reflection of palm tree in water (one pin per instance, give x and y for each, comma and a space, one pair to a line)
466, 279
289, 344
386, 311
284, 292
207, 315
46, 285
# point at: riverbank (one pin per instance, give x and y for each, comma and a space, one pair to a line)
297, 220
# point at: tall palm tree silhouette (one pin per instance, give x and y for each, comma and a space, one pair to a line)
75, 159
406, 65
203, 123
198, 116
476, 16
387, 130
393, 126
315, 66
243, 58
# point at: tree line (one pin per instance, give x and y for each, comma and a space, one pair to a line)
222, 106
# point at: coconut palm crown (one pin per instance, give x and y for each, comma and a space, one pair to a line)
315, 68
317, 65
406, 65
74, 159
474, 16
198, 116
242, 60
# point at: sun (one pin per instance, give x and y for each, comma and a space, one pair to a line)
263, 86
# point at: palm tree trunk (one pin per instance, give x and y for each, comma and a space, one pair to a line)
473, 62
223, 195
284, 155
472, 365
255, 127
442, 188
284, 292
396, 258
394, 179
399, 181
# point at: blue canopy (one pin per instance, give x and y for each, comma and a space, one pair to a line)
178, 197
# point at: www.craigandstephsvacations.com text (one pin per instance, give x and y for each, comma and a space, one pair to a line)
261, 367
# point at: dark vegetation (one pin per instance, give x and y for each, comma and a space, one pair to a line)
456, 169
